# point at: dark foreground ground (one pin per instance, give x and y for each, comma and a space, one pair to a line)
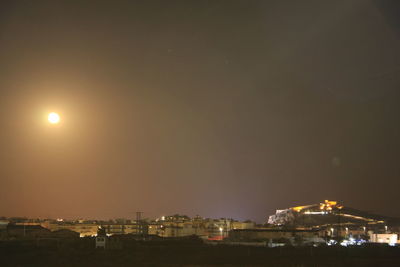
188, 253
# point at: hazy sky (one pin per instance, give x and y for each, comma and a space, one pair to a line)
217, 108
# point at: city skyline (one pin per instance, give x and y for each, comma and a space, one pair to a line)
221, 108
321, 208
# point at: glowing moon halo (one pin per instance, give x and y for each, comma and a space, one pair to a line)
53, 118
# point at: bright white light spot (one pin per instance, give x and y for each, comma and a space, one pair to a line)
53, 118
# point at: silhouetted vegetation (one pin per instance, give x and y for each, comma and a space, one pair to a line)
187, 251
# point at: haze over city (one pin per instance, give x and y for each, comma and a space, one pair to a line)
218, 108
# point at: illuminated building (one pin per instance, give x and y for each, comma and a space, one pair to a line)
391, 239
179, 226
333, 220
84, 229
327, 212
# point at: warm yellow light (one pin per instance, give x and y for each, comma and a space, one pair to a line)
53, 118
299, 208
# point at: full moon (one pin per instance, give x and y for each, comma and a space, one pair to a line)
53, 118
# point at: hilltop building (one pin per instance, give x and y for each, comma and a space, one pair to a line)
327, 212
336, 221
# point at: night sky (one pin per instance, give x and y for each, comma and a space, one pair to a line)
217, 108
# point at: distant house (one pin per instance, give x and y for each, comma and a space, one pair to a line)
101, 241
26, 231
101, 238
3, 224
3, 229
391, 239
